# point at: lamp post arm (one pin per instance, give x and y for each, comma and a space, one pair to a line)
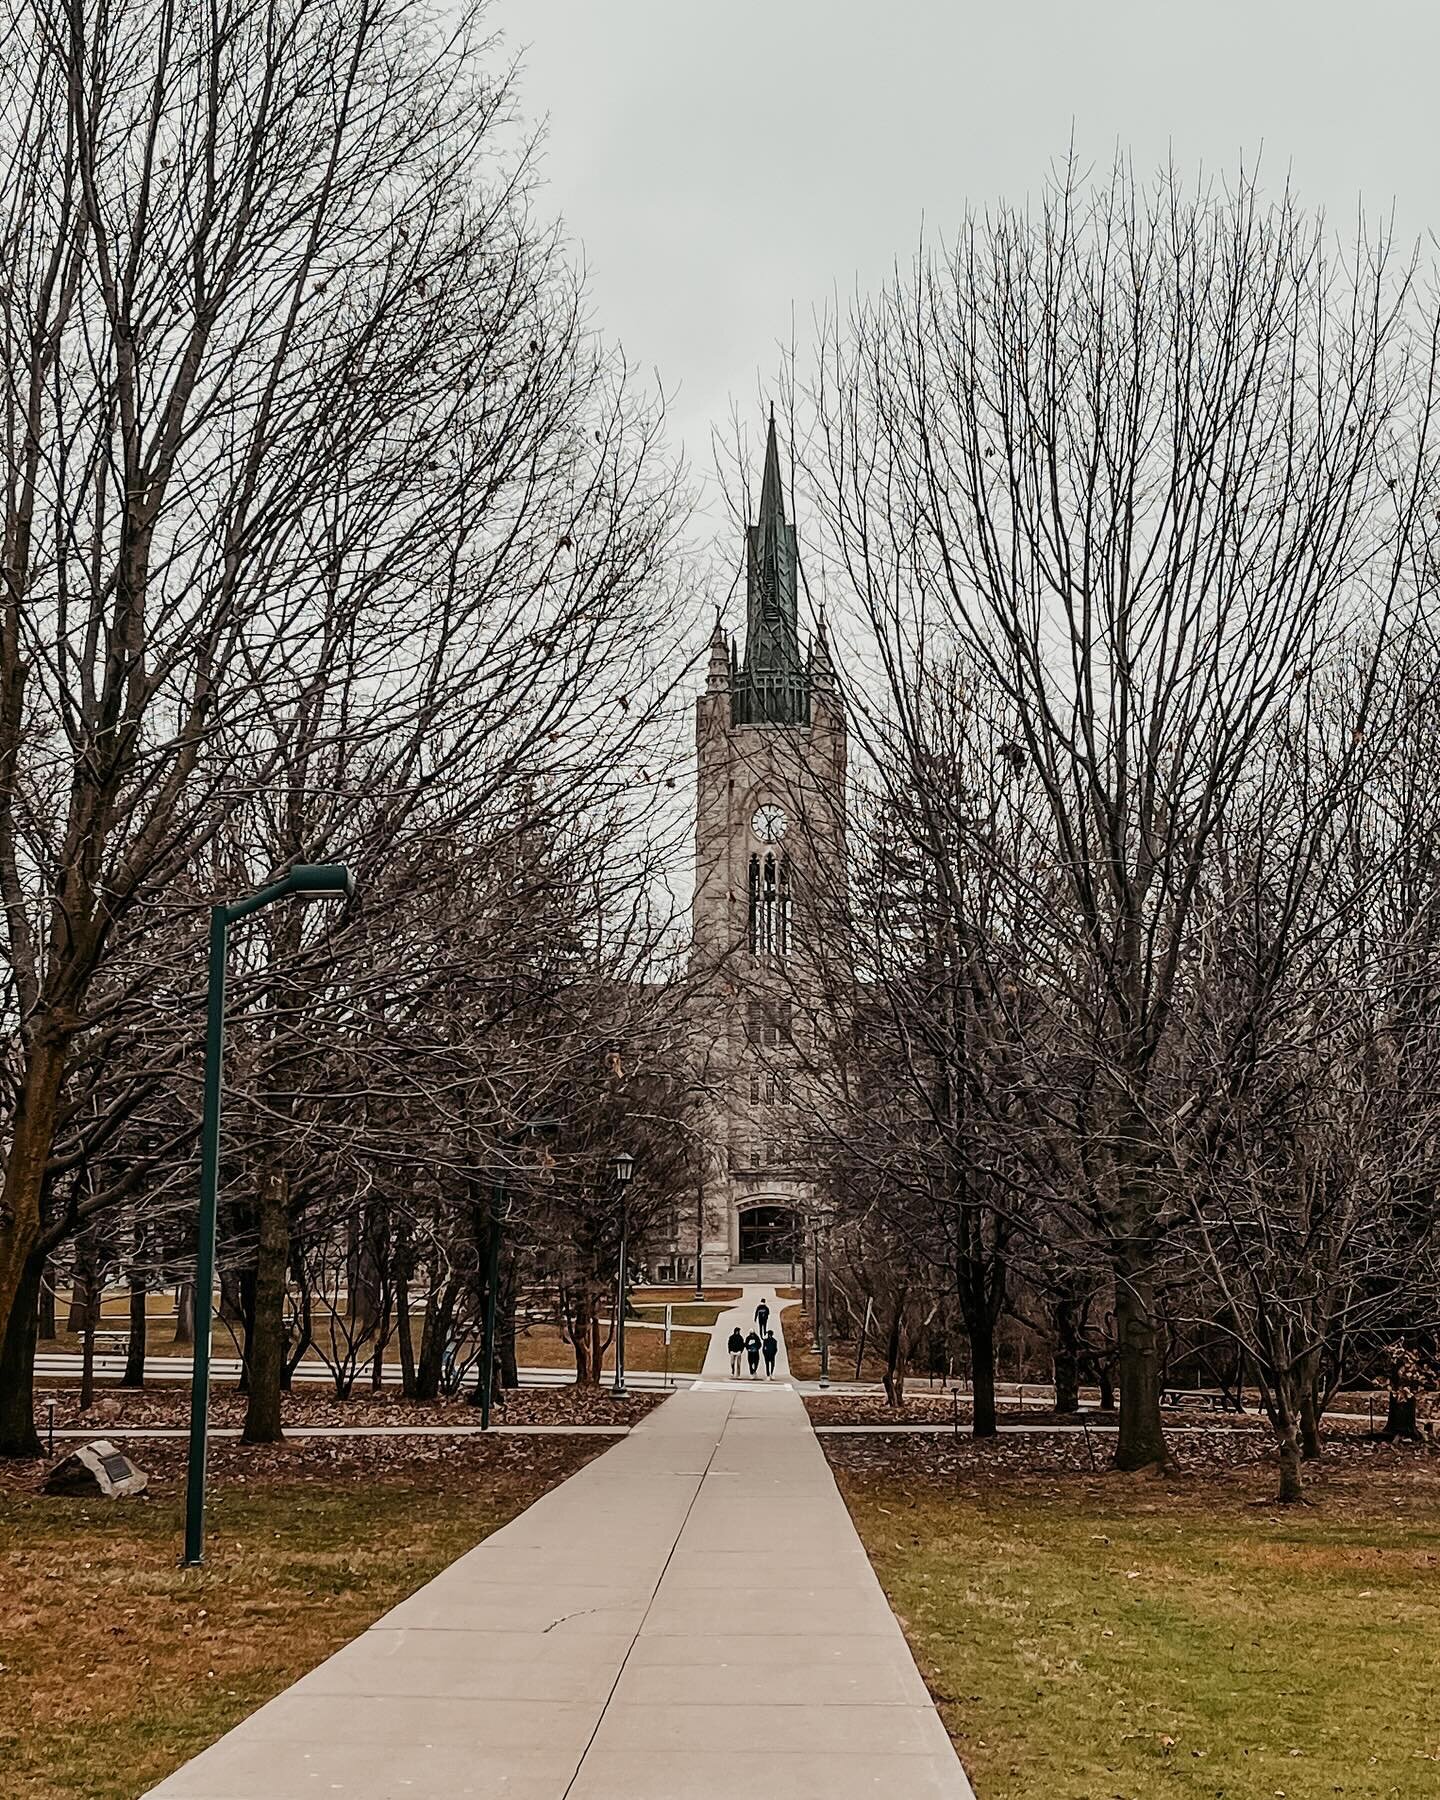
306, 878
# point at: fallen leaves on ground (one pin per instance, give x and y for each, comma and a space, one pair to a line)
170, 1406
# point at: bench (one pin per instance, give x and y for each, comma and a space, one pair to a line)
113, 1343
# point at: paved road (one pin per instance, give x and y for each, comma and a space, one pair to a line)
690, 1617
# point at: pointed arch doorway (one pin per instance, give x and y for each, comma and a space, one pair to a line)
769, 1234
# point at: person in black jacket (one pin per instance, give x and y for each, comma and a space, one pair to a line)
771, 1350
762, 1316
752, 1352
736, 1347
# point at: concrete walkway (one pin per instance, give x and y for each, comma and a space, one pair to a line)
688, 1618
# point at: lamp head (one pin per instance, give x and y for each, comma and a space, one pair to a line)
322, 881
622, 1167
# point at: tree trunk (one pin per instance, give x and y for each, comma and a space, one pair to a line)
1291, 1487
46, 1325
406, 1341
1401, 1419
895, 1358
1142, 1435
245, 1281
434, 1336
232, 1298
985, 1423
185, 1312
597, 1349
87, 1343
1106, 1384
382, 1338
1311, 1443
31, 1136
585, 1336
299, 1339
18, 1436
267, 1332
1067, 1381
486, 1227
580, 1343
367, 1295
87, 1293
75, 1312
505, 1359
978, 1308
1067, 1357
135, 1352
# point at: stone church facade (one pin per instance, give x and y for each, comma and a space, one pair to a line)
769, 851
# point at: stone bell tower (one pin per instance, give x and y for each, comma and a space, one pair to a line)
769, 859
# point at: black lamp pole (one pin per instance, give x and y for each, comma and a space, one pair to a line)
622, 1167
309, 881
824, 1311
700, 1224
499, 1205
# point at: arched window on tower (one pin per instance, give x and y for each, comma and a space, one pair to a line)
770, 905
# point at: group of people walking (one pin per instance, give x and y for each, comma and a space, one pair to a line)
761, 1341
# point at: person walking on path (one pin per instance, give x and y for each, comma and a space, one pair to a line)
752, 1351
771, 1350
762, 1316
736, 1347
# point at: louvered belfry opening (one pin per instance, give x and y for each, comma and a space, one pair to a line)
770, 904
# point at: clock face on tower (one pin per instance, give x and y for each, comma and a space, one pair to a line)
769, 822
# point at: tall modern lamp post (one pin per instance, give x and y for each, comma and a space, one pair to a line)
700, 1234
499, 1211
696, 1096
308, 881
822, 1299
622, 1167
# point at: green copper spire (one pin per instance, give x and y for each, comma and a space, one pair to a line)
771, 687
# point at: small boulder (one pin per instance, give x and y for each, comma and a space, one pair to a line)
97, 1468
108, 1410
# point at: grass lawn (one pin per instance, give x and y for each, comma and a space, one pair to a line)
546, 1347
805, 1362
693, 1314
116, 1665
1102, 1638
651, 1296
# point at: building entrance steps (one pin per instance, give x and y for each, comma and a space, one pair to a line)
691, 1614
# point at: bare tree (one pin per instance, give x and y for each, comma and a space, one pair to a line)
325, 516
1145, 457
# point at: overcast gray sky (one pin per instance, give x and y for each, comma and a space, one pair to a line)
726, 162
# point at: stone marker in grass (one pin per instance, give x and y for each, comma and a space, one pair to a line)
97, 1468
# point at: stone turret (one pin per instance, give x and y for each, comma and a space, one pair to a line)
822, 669
718, 675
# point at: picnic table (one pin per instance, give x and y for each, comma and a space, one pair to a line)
1214, 1399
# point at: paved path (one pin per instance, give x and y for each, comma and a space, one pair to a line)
691, 1617
65, 1365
